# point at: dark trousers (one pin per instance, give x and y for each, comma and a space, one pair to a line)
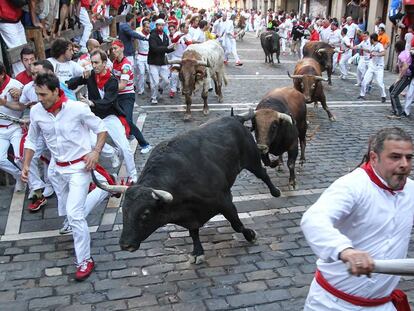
395, 90
126, 101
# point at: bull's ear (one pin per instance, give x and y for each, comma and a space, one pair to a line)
162, 195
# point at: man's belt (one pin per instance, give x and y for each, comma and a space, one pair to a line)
64, 164
397, 297
6, 126
143, 54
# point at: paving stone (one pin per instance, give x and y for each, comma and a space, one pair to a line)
14, 306
251, 286
77, 307
13, 251
28, 294
180, 275
111, 305
7, 296
245, 300
157, 269
143, 301
49, 302
123, 293
90, 297
194, 306
261, 275
219, 262
74, 288
277, 294
194, 295
216, 304
116, 274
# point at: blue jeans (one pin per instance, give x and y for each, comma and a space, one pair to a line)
126, 102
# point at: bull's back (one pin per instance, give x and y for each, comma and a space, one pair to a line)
307, 66
286, 100
218, 147
209, 51
310, 48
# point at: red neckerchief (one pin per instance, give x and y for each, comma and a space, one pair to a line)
5, 82
59, 103
367, 167
101, 79
160, 32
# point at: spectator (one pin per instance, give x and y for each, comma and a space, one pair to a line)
85, 21
11, 29
27, 56
61, 58
101, 12
383, 37
408, 37
142, 58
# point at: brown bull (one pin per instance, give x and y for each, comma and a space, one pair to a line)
279, 121
307, 79
323, 53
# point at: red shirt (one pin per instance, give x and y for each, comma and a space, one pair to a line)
314, 36
172, 20
86, 4
24, 78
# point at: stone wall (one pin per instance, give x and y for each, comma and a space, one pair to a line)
318, 7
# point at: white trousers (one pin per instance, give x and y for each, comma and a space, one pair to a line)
334, 61
13, 35
409, 97
302, 45
96, 196
343, 62
361, 69
376, 72
174, 81
35, 182
155, 73
143, 70
230, 49
320, 300
11, 135
71, 190
283, 44
117, 132
87, 26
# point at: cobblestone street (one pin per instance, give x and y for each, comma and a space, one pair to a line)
274, 273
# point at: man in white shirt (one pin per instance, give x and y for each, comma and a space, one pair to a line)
142, 57
408, 38
61, 58
229, 42
364, 215
335, 39
283, 34
375, 68
65, 126
325, 31
364, 48
351, 29
346, 53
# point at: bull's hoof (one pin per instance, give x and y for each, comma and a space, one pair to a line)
332, 119
250, 235
302, 161
194, 259
292, 185
220, 99
187, 117
329, 83
206, 112
273, 164
275, 192
280, 167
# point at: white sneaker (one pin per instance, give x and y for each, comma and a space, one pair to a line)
48, 191
146, 149
357, 84
31, 194
66, 227
154, 101
20, 185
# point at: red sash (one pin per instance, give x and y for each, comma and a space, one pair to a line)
397, 297
125, 124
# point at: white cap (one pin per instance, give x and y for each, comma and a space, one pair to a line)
159, 21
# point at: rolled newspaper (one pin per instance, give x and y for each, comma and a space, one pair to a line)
395, 267
13, 119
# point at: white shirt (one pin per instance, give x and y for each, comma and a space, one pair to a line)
196, 34
28, 94
355, 212
181, 46
335, 38
408, 39
376, 61
345, 43
66, 134
10, 112
366, 44
325, 34
67, 70
283, 30
352, 29
143, 47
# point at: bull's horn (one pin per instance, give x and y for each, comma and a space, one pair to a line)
174, 62
321, 50
295, 76
247, 115
286, 117
201, 63
319, 78
109, 188
162, 195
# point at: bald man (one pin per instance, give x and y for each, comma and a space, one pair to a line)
85, 59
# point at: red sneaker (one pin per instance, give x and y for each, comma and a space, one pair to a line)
84, 270
172, 94
226, 62
37, 203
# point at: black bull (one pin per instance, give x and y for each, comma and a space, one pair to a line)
270, 45
187, 180
323, 53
